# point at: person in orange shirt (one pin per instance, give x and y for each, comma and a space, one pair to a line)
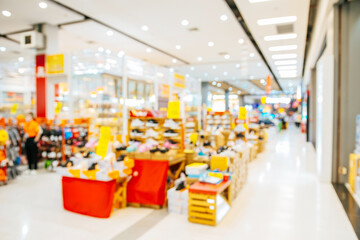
33, 133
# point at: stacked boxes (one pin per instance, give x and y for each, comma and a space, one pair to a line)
178, 201
239, 168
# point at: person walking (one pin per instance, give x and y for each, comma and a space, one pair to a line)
32, 134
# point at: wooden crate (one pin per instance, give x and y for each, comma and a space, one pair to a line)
202, 209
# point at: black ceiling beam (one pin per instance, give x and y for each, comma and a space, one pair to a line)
118, 31
239, 17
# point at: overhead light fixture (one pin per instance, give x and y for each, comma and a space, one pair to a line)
100, 49
226, 56
284, 56
237, 65
6, 13
184, 22
2, 49
148, 50
210, 44
239, 92
288, 72
224, 17
279, 20
21, 59
145, 28
283, 48
225, 73
259, 64
216, 79
285, 62
174, 60
287, 67
121, 53
171, 70
110, 33
214, 67
241, 41
43, 5
199, 59
178, 47
218, 84
214, 83
230, 88
288, 76
252, 54
280, 37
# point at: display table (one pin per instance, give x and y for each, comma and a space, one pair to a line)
209, 203
88, 197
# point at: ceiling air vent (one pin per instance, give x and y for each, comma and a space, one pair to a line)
287, 28
194, 29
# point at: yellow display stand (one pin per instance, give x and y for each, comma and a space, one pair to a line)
353, 169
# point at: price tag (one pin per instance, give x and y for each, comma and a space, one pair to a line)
104, 141
173, 109
14, 108
58, 108
242, 113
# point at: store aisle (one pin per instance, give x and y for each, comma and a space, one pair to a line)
282, 200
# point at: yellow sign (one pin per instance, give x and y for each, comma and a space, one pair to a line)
281, 110
179, 81
55, 64
263, 99
193, 138
14, 108
242, 113
219, 162
104, 141
58, 108
173, 109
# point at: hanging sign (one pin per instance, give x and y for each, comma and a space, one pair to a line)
14, 108
268, 84
104, 141
55, 64
242, 113
179, 80
164, 90
173, 109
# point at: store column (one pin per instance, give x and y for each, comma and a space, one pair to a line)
227, 93
205, 94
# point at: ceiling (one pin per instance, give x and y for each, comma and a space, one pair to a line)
243, 67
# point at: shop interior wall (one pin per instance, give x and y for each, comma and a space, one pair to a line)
347, 52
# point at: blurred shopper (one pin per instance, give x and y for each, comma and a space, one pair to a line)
32, 134
297, 119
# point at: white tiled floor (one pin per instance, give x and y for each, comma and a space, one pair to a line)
282, 200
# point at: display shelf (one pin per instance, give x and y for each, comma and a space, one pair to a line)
219, 119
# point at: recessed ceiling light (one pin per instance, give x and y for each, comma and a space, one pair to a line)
252, 54
283, 48
110, 33
148, 50
21, 59
285, 62
121, 53
218, 84
227, 56
214, 83
2, 49
108, 51
205, 74
100, 49
214, 67
259, 64
145, 28
238, 92
224, 17
287, 67
241, 41
174, 60
184, 22
280, 37
192, 68
210, 44
171, 70
284, 56
225, 73
6, 13
199, 59
43, 5
216, 79
279, 20
178, 47
237, 65
230, 88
